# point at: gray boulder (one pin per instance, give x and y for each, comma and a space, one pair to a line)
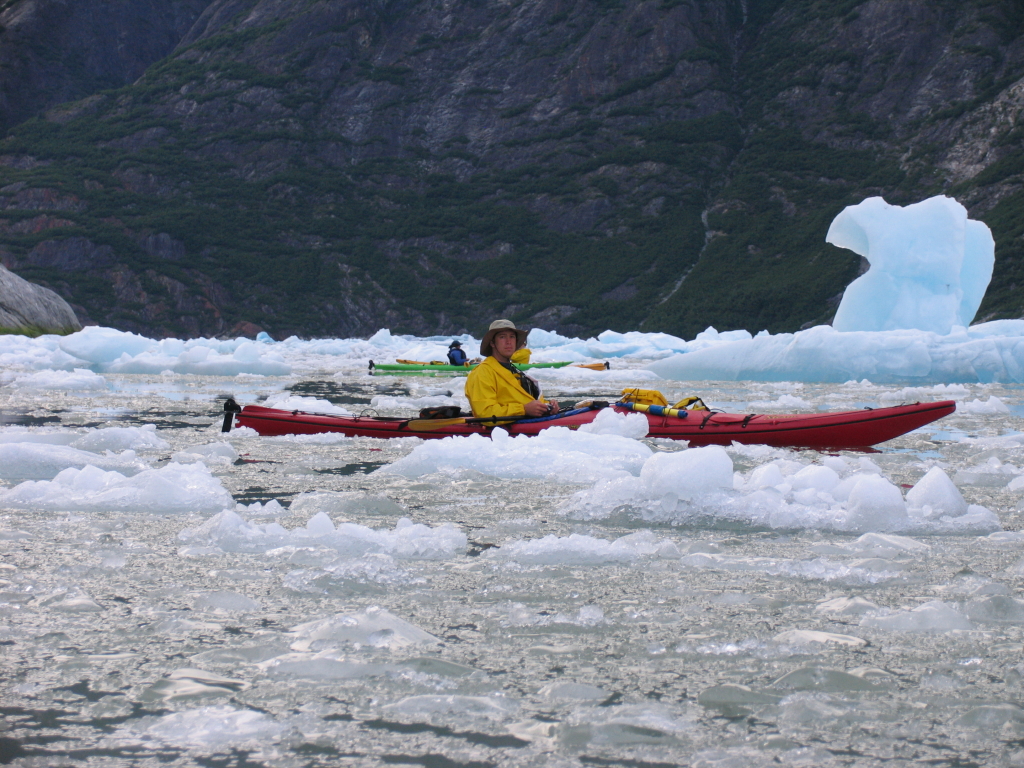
31, 309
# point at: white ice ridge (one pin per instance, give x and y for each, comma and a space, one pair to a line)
930, 265
228, 532
171, 489
557, 454
95, 440
546, 346
106, 350
78, 380
698, 487
989, 352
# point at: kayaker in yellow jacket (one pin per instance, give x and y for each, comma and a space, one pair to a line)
496, 387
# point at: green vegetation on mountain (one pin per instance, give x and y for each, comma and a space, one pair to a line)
335, 167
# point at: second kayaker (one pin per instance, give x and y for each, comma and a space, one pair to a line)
456, 356
496, 387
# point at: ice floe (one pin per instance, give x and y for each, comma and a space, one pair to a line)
122, 439
610, 422
106, 350
987, 352
371, 628
991, 407
558, 454
40, 461
698, 487
223, 601
325, 665
428, 705
78, 380
229, 532
579, 549
369, 574
286, 401
210, 453
208, 728
933, 616
171, 489
825, 354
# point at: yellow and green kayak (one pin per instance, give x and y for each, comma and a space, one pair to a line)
438, 368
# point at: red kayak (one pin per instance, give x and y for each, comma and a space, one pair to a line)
844, 429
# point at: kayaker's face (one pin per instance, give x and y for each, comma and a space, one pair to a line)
504, 344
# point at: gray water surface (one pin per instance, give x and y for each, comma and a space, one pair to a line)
124, 643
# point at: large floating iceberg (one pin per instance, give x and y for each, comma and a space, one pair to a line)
930, 265
905, 320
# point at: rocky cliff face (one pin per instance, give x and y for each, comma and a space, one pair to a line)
335, 167
53, 51
31, 309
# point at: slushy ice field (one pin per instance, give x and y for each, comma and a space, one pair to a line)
173, 596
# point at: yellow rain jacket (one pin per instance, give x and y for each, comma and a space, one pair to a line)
493, 390
521, 357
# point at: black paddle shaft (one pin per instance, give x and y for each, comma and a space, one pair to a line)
230, 409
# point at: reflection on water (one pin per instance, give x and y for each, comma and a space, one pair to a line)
336, 620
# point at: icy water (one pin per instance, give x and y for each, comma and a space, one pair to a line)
507, 604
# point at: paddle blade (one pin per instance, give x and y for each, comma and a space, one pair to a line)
432, 425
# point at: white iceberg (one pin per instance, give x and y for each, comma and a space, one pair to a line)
930, 265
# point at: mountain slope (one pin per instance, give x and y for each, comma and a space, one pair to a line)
53, 51
335, 167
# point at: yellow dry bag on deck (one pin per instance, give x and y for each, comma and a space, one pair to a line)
654, 397
643, 397
691, 403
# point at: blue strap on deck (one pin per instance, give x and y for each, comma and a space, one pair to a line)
554, 416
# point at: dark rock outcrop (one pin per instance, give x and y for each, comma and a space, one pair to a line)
31, 309
71, 255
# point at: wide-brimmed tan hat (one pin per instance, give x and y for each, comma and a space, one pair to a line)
501, 325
